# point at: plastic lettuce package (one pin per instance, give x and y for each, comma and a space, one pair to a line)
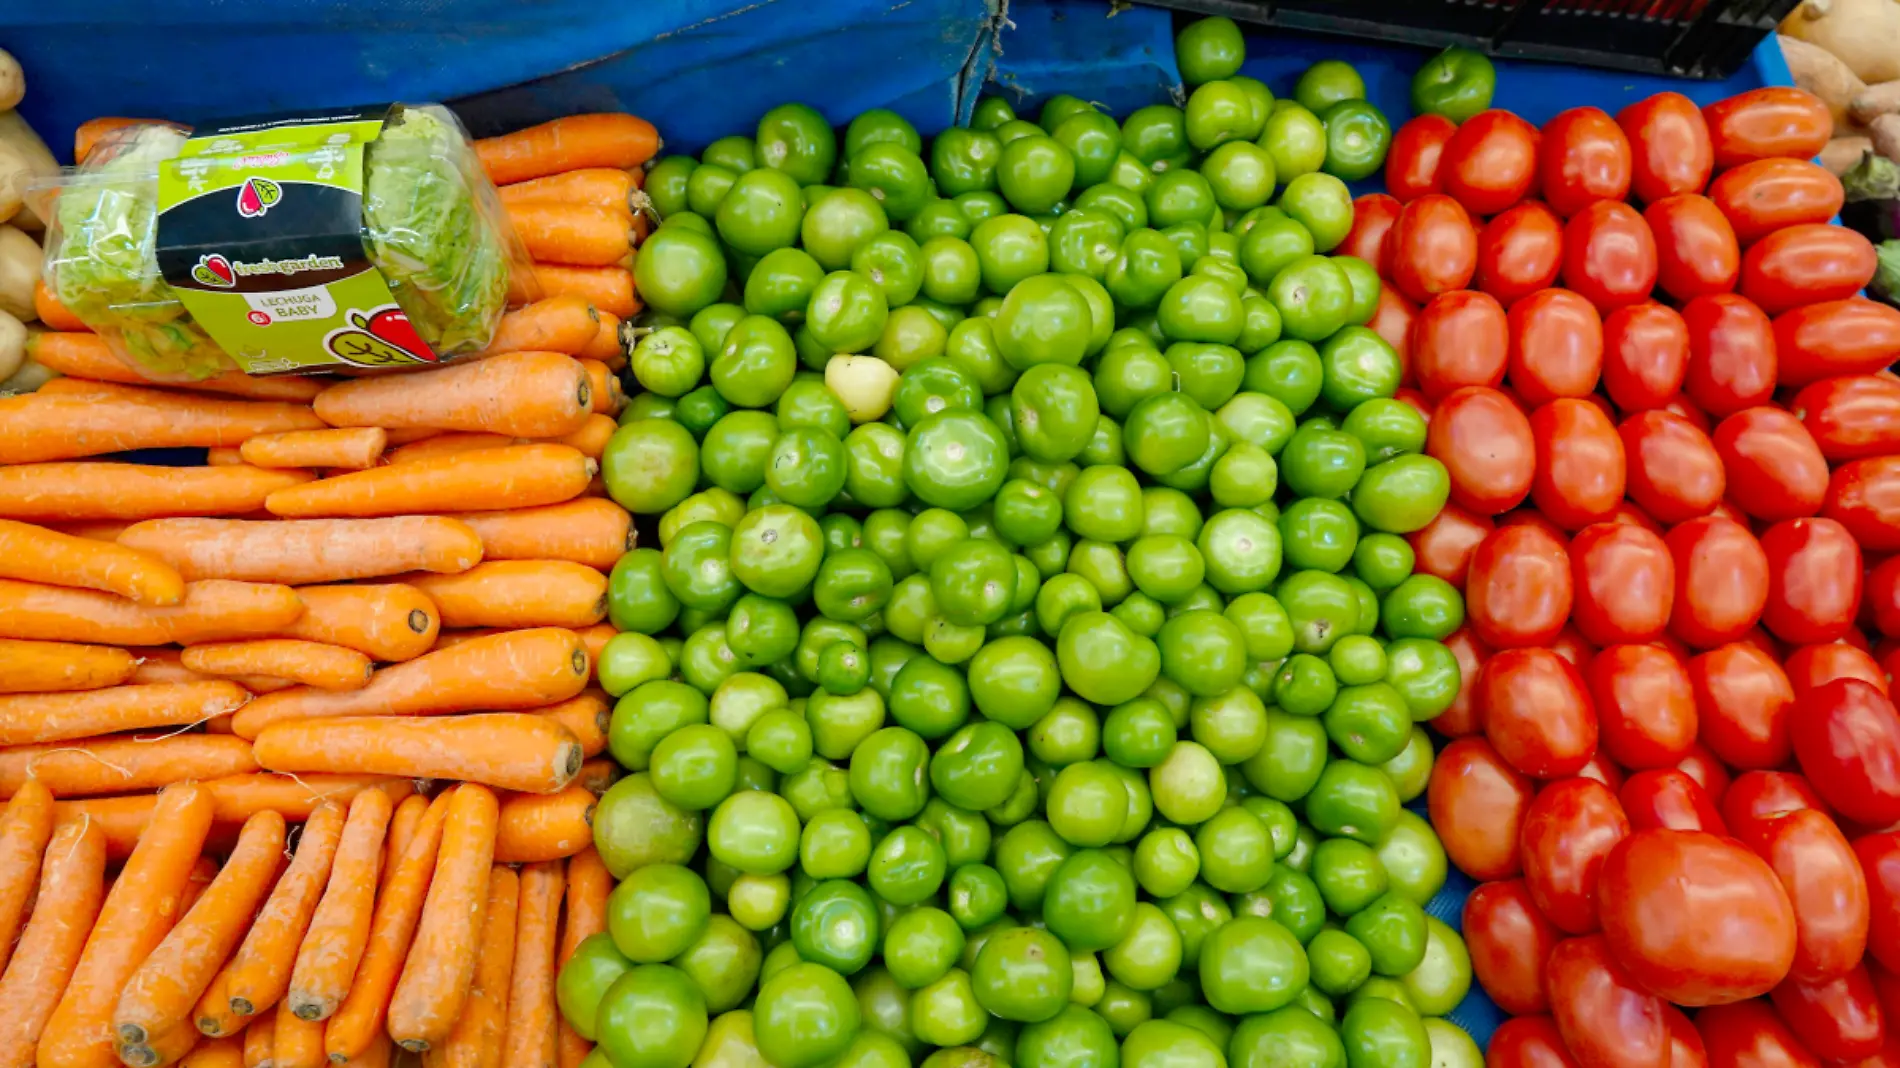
364, 238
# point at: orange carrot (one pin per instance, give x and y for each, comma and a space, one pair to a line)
608, 187
352, 449
36, 554
226, 456
508, 750
606, 345
521, 476
587, 717
574, 235
529, 1041
96, 766
440, 967
609, 289
66, 492
389, 623
364, 1010
598, 774
71, 885
259, 973
205, 870
327, 959
451, 444
515, 669
94, 131
591, 439
588, 884
476, 1039
140, 909
226, 1052
87, 358
97, 530
211, 611
537, 827
380, 1054
25, 827
524, 394
518, 593
212, 1016
609, 397
235, 799
301, 552
402, 830
53, 717
53, 426
259, 1037
327, 667
165, 1049
296, 1042
595, 638
160, 666
558, 324
607, 139
590, 531
52, 314
160, 994
48, 667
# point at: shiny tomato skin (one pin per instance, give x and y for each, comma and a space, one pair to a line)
1695, 918
1674, 471
1584, 157
1520, 252
1772, 466
1750, 1034
1757, 800
1519, 591
1879, 856
1814, 665
1432, 249
1580, 464
1826, 888
1838, 337
1773, 122
1556, 346
1883, 592
1458, 339
1838, 1019
1477, 803
1530, 517
1509, 939
1806, 264
1814, 576
1852, 417
1572, 646
1610, 255
1646, 716
1568, 831
1605, 1018
1764, 196
1696, 250
1864, 497
1669, 146
1721, 581
1624, 581
1602, 769
1743, 704
1372, 218
1645, 355
1847, 737
1731, 354
1537, 712
1668, 797
1490, 163
1464, 717
1444, 546
1412, 162
1485, 443
1706, 768
1527, 1042
1392, 321
1685, 1046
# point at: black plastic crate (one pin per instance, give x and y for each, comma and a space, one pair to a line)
1685, 38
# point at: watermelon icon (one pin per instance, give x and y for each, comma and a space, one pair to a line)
214, 270
256, 196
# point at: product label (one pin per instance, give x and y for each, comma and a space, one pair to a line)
260, 233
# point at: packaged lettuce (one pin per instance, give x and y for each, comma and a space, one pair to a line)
284, 244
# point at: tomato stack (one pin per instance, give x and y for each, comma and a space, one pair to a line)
1674, 452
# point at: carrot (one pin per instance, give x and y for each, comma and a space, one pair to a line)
97, 530
380, 1054
327, 959
518, 593
591, 439
607, 139
205, 870
25, 827
558, 324
363, 1012
212, 1016
52, 314
520, 476
53, 717
537, 827
607, 187
609, 289
93, 131
598, 774
389, 623
66, 492
516, 669
71, 885
587, 717
529, 1041
47, 667
574, 235
235, 799
258, 1039
259, 973
214, 610
168, 1048
595, 638
402, 830
226, 1052
452, 444
526, 394
609, 397
300, 552
58, 426
226, 456
88, 358
327, 667
588, 884
352, 449
37, 554
96, 766
296, 1042
508, 750
156, 666
160, 995
605, 345
475, 1041
139, 910
440, 966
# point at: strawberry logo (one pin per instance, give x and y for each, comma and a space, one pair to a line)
256, 196
215, 271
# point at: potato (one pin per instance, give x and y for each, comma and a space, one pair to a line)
1864, 34
19, 266
31, 162
1816, 70
12, 82
12, 345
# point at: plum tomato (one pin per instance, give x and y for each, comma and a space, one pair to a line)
1519, 590
1762, 197
1837, 1019
1609, 255
1837, 337
1569, 830
1583, 158
1756, 800
1458, 339
1669, 146
1605, 1018
1685, 1046
1851, 417
1825, 886
1646, 715
1743, 704
1705, 767
1750, 1034
1625, 583
1556, 346
1882, 589
1731, 354
1463, 718
1696, 250
1528, 1042
1847, 737
1815, 665
1806, 264
1864, 497
1490, 163
1412, 161
1508, 939
1392, 321
1520, 252
1771, 464
1773, 122
1477, 802
1674, 471
1537, 713
1580, 464
1432, 249
1485, 442
1668, 797
1443, 547
1814, 577
1645, 355
1879, 856
1372, 219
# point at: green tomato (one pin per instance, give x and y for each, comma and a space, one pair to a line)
1103, 661
1009, 248
760, 212
964, 160
1313, 296
805, 1016
1357, 137
1296, 139
1456, 83
1034, 172
650, 465
1327, 83
679, 271
1023, 974
1219, 112
1209, 48
652, 1017
1402, 495
1251, 965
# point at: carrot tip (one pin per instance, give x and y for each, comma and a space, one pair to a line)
242, 1007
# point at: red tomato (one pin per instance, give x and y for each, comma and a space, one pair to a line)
1603, 770
1458, 340
1696, 918
1750, 1034
1444, 546
1411, 164
1372, 218
1464, 717
1847, 738
1838, 1019
1826, 888
1433, 248
1509, 939
1685, 1046
1625, 583
1682, 407
1879, 856
1580, 465
1839, 337
1572, 646
1527, 1042
1392, 321
1806, 264
1864, 497
1556, 346
1743, 702
1520, 252
1758, 799
1814, 578
1606, 1019
1568, 831
1731, 354
1852, 417
1536, 712
1761, 197
1669, 146
1583, 158
1531, 517
1813, 665
1490, 162
1645, 706
1674, 472
1609, 255
1645, 355
1477, 804
1773, 468
1721, 581
1668, 797
1696, 250
1518, 592
1883, 593
1485, 443
1706, 768
1773, 122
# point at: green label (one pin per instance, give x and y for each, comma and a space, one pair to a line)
260, 234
